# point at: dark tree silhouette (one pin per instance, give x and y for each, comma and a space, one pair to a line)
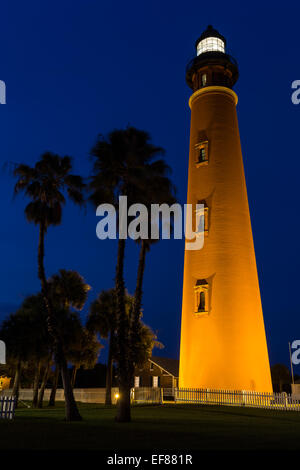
45, 184
121, 164
102, 319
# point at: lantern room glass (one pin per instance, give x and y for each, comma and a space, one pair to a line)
210, 44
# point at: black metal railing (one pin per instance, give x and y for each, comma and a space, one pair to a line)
210, 55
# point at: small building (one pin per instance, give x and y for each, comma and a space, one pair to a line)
296, 389
158, 372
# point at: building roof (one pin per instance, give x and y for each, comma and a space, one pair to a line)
169, 365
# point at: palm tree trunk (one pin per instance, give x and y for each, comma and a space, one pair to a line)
71, 410
72, 413
135, 314
43, 385
16, 385
54, 387
36, 385
74, 373
123, 410
134, 321
109, 371
123, 404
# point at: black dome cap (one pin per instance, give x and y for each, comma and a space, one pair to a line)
210, 32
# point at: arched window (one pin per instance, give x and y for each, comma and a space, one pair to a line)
202, 217
201, 153
201, 306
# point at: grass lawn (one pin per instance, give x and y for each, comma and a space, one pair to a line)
175, 427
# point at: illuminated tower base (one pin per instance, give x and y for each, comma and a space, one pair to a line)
223, 342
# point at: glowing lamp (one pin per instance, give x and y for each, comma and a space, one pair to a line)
210, 41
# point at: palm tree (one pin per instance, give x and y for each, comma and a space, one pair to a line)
54, 387
158, 190
120, 164
68, 291
47, 366
45, 184
145, 342
36, 384
38, 342
25, 339
102, 319
84, 352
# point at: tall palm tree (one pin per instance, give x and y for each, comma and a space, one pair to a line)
122, 165
119, 167
158, 190
45, 184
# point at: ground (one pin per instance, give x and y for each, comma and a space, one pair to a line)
154, 428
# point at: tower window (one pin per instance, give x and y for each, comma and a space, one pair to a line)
201, 307
202, 217
201, 290
203, 79
201, 153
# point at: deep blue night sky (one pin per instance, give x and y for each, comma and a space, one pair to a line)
74, 69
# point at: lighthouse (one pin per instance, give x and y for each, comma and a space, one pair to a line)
223, 341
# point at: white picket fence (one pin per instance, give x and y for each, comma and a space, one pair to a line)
147, 395
139, 395
7, 407
272, 401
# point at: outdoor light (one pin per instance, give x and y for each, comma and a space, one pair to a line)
117, 396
